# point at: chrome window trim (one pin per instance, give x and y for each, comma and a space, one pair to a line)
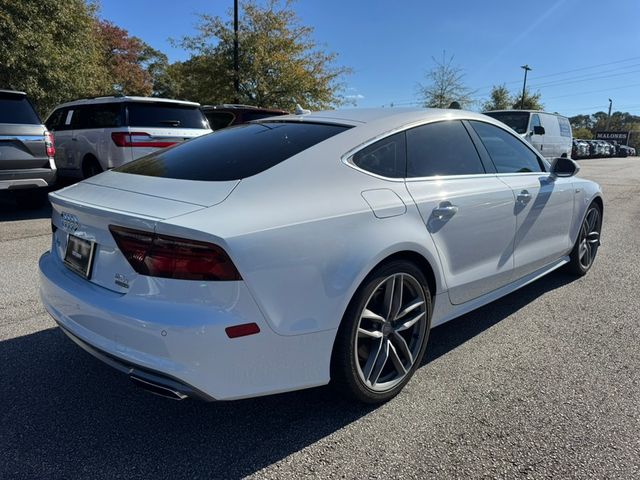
347, 158
23, 138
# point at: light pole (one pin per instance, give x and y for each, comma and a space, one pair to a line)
236, 66
609, 114
524, 85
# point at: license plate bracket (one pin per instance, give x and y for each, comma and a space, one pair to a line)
78, 256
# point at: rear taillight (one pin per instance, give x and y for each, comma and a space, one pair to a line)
171, 257
138, 139
50, 144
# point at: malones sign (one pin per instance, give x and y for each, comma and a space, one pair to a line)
621, 137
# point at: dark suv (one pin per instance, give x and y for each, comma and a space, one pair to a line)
221, 116
27, 167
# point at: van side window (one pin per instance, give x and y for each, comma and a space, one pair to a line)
535, 121
509, 154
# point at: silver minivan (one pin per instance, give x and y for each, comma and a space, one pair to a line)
549, 133
97, 134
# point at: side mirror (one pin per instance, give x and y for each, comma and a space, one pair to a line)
564, 167
538, 130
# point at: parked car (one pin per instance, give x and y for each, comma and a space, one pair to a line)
222, 116
27, 150
97, 134
580, 149
549, 133
206, 270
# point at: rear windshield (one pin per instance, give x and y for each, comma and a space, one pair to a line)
165, 115
233, 153
15, 108
519, 121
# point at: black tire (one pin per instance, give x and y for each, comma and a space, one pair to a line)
91, 167
31, 198
347, 372
589, 238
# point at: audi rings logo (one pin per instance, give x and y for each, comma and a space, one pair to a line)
70, 222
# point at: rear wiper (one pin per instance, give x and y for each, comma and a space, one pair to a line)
173, 123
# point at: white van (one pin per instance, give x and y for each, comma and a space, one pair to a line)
549, 133
96, 134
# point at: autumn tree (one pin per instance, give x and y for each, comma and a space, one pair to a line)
444, 85
133, 65
48, 50
280, 63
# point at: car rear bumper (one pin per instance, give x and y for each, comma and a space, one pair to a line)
27, 178
183, 346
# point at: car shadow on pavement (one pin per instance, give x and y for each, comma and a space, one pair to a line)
9, 210
66, 415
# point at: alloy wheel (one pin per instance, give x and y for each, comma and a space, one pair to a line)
589, 238
391, 331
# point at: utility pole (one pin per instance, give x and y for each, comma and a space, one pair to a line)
609, 114
524, 85
236, 66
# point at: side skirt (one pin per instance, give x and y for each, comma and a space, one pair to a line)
444, 311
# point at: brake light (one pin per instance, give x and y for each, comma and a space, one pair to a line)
171, 257
50, 144
138, 139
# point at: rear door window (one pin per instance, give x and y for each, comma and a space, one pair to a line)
442, 148
508, 153
165, 115
16, 108
233, 153
55, 120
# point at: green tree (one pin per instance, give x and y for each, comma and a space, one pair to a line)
500, 99
581, 121
583, 133
444, 85
48, 49
531, 101
280, 63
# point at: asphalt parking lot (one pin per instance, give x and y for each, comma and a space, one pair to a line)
544, 383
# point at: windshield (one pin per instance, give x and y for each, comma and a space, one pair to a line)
519, 121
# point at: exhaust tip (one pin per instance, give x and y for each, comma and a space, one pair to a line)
157, 389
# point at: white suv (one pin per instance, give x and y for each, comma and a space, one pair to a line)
93, 135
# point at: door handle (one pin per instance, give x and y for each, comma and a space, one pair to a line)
523, 197
445, 210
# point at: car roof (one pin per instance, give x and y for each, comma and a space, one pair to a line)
398, 116
235, 106
125, 98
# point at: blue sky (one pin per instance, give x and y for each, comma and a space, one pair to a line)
582, 52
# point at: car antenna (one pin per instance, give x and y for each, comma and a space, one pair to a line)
299, 110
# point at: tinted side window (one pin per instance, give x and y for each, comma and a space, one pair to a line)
165, 115
508, 153
16, 108
105, 115
218, 120
233, 153
386, 157
55, 119
442, 148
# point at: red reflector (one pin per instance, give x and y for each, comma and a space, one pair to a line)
242, 330
50, 144
171, 257
138, 139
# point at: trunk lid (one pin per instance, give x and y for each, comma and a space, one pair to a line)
22, 146
86, 210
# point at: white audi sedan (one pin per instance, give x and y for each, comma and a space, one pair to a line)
306, 249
